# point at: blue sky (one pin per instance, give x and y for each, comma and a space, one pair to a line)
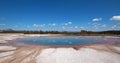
61, 15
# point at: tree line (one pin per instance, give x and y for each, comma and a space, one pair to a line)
82, 32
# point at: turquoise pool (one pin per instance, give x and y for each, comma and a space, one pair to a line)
66, 40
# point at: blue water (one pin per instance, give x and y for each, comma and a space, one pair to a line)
62, 40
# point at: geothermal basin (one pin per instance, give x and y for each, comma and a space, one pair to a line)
68, 40
23, 48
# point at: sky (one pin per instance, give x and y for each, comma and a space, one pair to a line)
60, 15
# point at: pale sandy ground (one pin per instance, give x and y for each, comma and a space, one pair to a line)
44, 54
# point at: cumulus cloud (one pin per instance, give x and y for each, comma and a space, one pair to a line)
114, 26
70, 27
104, 25
68, 23
76, 26
2, 24
97, 19
96, 24
115, 18
52, 24
81, 27
63, 27
38, 25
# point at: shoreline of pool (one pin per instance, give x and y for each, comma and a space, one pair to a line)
6, 38
11, 37
17, 52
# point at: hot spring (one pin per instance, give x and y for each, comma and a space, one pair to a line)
67, 40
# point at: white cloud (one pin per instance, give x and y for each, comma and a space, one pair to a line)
53, 24
114, 26
95, 27
81, 27
76, 26
71, 27
63, 27
37, 25
104, 25
97, 19
66, 23
69, 22
115, 18
2, 24
96, 24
